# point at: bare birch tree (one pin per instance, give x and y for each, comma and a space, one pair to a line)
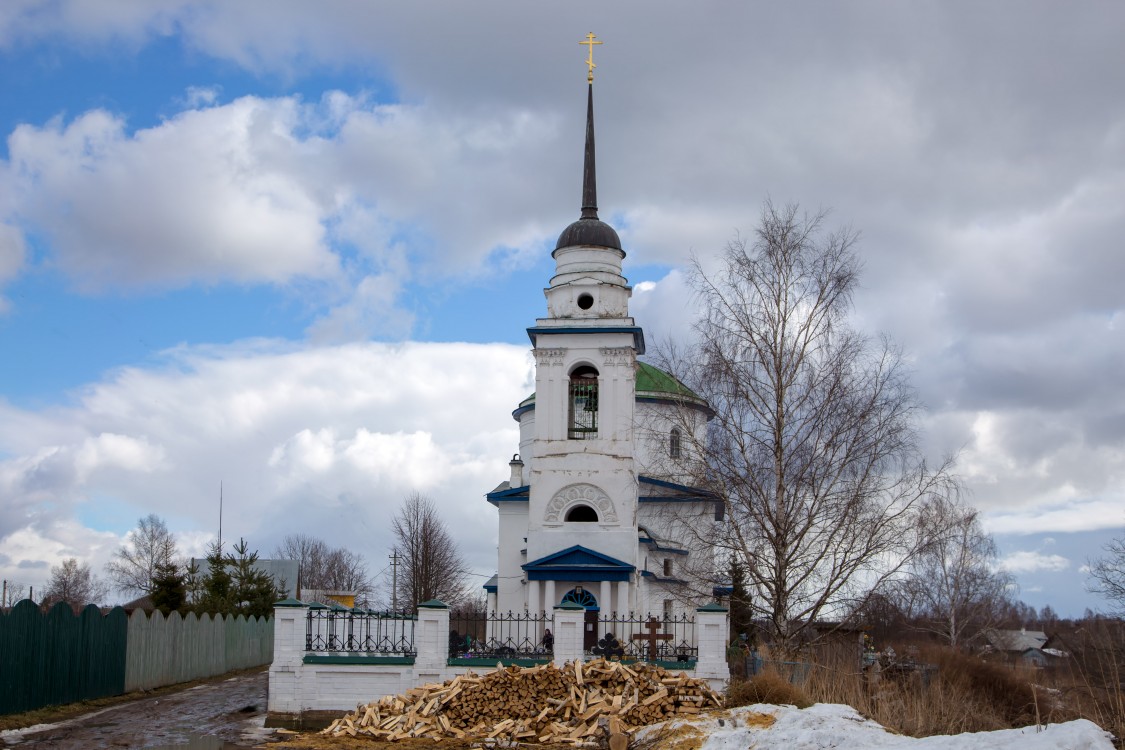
812, 449
432, 566
136, 564
954, 588
1107, 575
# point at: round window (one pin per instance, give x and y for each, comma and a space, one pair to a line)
585, 301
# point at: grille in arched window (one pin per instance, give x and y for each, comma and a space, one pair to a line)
674, 449
583, 404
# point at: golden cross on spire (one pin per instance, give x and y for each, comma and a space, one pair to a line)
590, 60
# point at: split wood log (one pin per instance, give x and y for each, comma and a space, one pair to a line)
578, 704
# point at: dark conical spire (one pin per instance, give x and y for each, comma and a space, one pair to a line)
589, 230
589, 179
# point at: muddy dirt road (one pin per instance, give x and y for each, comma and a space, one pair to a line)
221, 714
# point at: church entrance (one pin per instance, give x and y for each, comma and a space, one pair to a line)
579, 595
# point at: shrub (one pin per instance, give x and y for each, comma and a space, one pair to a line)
767, 687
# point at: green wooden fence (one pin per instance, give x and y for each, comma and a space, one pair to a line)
59, 657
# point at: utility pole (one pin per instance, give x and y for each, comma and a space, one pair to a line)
4, 601
394, 581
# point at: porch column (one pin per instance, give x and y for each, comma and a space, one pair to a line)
533, 596
549, 599
605, 601
623, 607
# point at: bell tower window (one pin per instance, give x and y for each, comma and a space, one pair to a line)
583, 404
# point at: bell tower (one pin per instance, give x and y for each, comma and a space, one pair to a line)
583, 478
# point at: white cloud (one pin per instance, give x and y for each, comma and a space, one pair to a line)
207, 196
1031, 562
108, 450
321, 440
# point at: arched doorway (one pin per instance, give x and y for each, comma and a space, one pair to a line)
582, 597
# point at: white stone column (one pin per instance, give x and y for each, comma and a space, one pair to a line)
431, 641
490, 609
605, 601
569, 620
623, 607
533, 604
712, 633
549, 600
289, 618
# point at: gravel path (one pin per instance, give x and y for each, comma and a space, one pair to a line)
222, 714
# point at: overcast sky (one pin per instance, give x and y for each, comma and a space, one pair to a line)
294, 247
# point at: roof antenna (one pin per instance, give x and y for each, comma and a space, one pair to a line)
220, 515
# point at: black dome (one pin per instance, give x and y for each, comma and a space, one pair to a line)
589, 232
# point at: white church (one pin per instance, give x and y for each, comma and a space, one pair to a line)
596, 505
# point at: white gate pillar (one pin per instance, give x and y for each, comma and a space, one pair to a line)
431, 639
712, 633
570, 619
289, 618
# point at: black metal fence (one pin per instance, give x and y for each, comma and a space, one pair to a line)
494, 635
643, 637
337, 628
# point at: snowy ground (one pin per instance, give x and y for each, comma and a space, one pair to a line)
841, 728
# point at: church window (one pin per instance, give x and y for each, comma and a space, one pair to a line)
579, 595
667, 568
583, 404
582, 514
669, 609
585, 301
674, 449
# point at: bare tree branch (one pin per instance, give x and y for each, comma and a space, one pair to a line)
954, 588
812, 449
74, 584
1107, 575
432, 566
324, 568
135, 565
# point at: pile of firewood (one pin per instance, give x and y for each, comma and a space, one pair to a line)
575, 704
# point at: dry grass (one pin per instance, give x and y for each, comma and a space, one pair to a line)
968, 694
767, 687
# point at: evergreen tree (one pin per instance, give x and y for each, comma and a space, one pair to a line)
233, 585
741, 614
169, 592
254, 590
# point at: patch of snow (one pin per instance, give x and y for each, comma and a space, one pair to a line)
826, 725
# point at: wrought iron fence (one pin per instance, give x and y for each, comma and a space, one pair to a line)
497, 635
336, 628
643, 637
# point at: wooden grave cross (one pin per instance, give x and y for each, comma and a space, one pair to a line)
652, 636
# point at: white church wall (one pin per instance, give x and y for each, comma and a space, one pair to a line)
654, 423
513, 531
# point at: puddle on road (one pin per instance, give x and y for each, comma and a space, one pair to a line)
200, 742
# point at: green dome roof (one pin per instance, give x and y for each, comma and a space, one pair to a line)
651, 382
654, 380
